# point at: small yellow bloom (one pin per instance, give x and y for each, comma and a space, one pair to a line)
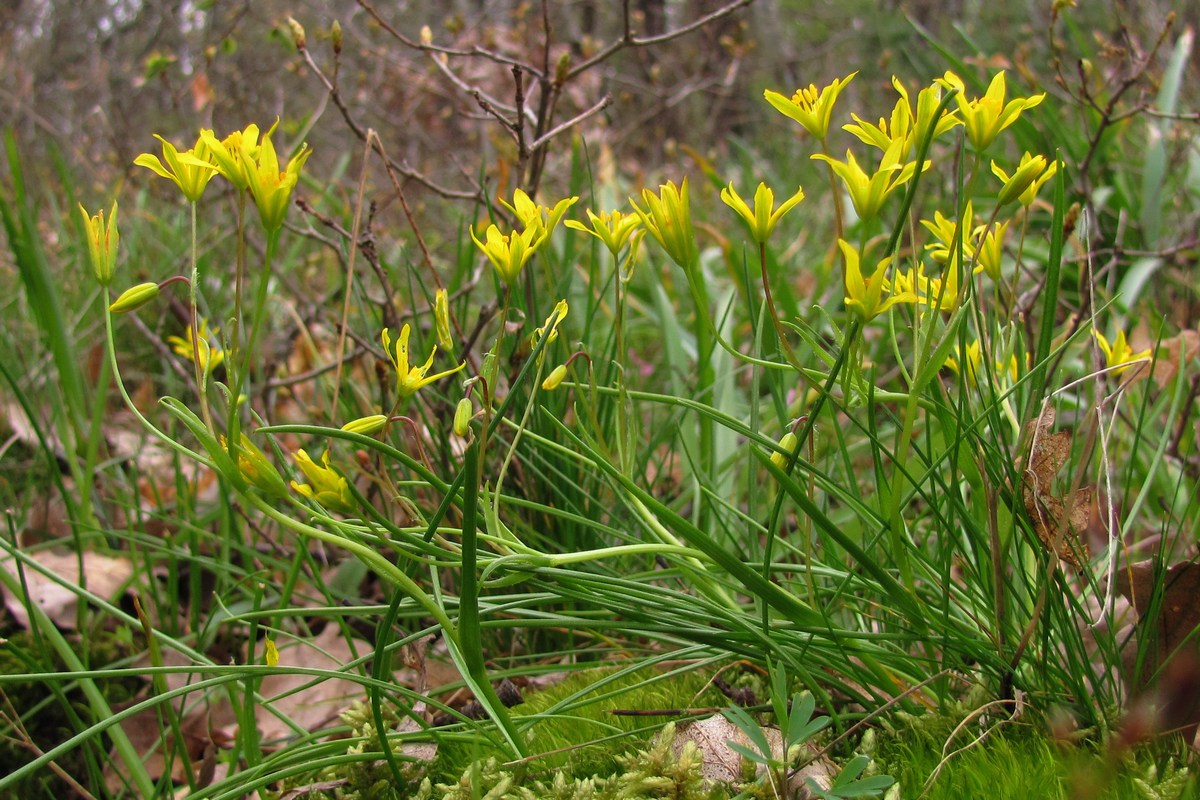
762, 219
1119, 356
970, 362
614, 229
536, 217
868, 192
410, 379
950, 235
1026, 181
550, 327
134, 298
270, 187
508, 254
211, 355
102, 242
366, 426
324, 485
813, 109
668, 218
903, 124
226, 154
190, 170
865, 297
940, 293
985, 117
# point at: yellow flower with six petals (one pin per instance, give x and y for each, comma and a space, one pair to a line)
409, 379
813, 109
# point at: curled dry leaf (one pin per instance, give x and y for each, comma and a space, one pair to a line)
1058, 521
1174, 354
59, 596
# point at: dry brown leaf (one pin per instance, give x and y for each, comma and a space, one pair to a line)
1058, 522
106, 576
1169, 676
1175, 354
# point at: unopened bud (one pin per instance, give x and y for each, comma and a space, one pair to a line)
555, 377
441, 318
134, 298
462, 417
426, 35
298, 37
563, 69
335, 37
366, 425
788, 445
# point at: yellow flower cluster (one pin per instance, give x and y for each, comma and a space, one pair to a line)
244, 158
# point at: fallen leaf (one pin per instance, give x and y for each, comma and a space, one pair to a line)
1058, 521
1174, 355
1168, 607
58, 596
721, 763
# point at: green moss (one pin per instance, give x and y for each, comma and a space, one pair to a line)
1018, 760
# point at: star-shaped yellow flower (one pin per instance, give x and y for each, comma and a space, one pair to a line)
813, 109
410, 379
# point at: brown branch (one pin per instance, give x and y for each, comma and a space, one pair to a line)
629, 40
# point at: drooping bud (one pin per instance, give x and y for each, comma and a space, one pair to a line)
366, 426
555, 378
788, 445
462, 417
134, 298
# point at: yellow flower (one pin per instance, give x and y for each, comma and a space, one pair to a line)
813, 109
668, 217
550, 327
536, 217
948, 234
786, 447
970, 362
762, 219
508, 254
1119, 356
903, 125
613, 229
939, 293
190, 170
991, 250
324, 485
226, 154
102, 242
270, 187
865, 296
985, 117
867, 192
1025, 182
410, 379
210, 354
555, 378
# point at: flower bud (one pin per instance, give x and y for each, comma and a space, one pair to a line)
335, 37
462, 417
298, 37
441, 318
555, 377
102, 240
134, 298
788, 445
426, 35
366, 426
